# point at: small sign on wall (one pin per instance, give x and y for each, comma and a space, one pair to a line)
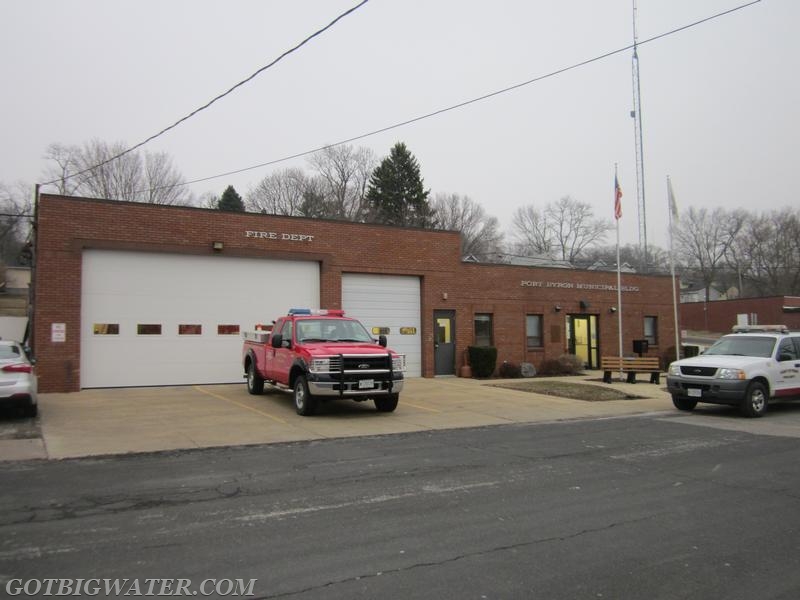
58, 332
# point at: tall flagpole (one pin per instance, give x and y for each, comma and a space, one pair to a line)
617, 216
673, 217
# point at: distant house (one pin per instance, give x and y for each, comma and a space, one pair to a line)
696, 292
601, 265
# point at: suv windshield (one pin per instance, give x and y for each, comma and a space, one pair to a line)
743, 346
331, 330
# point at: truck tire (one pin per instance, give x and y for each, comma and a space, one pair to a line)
686, 404
255, 384
387, 403
754, 403
304, 403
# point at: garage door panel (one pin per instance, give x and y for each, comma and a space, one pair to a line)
391, 301
132, 288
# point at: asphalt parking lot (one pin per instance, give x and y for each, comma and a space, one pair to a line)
126, 420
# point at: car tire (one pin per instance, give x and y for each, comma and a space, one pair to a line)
304, 403
686, 404
756, 398
387, 403
31, 410
255, 384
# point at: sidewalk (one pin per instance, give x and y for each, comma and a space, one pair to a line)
117, 421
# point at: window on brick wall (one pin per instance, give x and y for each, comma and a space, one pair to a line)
483, 330
533, 331
651, 330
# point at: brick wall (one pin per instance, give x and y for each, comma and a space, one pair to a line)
720, 315
68, 225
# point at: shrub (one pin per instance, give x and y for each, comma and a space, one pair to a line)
510, 370
483, 360
566, 364
570, 364
549, 367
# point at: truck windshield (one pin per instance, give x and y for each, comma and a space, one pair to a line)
761, 347
331, 330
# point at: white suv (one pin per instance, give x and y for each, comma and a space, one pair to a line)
747, 369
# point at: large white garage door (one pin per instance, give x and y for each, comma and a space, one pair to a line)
168, 319
388, 301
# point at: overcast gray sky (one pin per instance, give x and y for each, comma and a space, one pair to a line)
719, 101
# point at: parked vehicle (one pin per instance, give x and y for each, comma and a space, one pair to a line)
747, 368
322, 355
17, 378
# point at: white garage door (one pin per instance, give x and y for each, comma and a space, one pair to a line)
169, 319
388, 301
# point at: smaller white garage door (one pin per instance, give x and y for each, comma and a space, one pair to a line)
388, 301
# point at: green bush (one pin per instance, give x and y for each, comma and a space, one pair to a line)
483, 360
509, 370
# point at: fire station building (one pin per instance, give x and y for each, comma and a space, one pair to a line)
129, 294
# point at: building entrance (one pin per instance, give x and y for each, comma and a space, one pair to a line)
582, 338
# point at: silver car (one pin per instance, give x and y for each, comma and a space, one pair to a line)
17, 378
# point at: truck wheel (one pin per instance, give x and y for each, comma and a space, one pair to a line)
754, 403
255, 384
683, 403
387, 403
304, 403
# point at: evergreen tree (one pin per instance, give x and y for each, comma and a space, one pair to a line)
230, 201
396, 195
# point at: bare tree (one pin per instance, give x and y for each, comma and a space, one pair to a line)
88, 171
345, 171
574, 227
480, 233
531, 233
703, 240
281, 193
563, 230
16, 218
772, 242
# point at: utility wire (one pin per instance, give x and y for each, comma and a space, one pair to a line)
215, 99
468, 102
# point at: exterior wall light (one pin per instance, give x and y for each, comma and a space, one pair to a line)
217, 246
557, 308
612, 310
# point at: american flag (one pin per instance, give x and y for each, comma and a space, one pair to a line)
617, 199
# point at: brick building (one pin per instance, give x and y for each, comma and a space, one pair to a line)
720, 315
137, 294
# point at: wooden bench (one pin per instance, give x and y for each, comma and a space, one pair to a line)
631, 366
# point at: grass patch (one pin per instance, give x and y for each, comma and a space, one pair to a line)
563, 389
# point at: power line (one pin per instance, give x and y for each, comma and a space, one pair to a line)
469, 102
215, 99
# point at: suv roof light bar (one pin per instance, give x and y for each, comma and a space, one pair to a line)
760, 328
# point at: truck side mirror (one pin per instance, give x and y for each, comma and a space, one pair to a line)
276, 340
382, 341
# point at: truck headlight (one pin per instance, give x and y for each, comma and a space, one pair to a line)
674, 370
399, 362
320, 365
730, 374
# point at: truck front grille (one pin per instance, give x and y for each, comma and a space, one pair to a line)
691, 371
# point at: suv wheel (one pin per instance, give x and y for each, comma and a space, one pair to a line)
683, 403
755, 400
304, 403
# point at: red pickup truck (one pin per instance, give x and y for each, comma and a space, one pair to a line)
322, 355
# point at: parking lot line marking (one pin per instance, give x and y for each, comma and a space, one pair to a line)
433, 410
255, 410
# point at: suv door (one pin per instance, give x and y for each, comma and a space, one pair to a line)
787, 382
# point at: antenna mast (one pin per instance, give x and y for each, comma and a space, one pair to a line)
636, 113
